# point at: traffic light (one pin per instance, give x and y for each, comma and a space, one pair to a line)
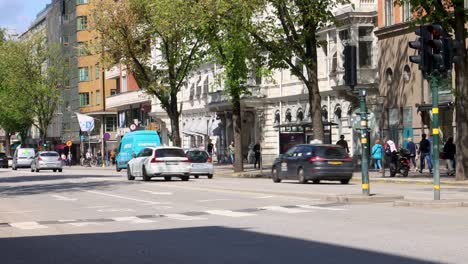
349, 65
424, 51
437, 45
451, 52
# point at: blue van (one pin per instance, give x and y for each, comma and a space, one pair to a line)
134, 142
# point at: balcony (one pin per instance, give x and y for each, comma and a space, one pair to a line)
367, 5
128, 98
113, 72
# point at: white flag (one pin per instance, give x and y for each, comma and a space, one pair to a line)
86, 122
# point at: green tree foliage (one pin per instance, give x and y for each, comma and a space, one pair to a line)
135, 32
453, 16
230, 45
287, 30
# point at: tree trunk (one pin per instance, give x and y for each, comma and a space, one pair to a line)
8, 143
174, 117
237, 127
315, 101
461, 116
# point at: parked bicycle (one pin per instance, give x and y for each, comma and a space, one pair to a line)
92, 162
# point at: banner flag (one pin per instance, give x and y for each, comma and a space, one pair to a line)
86, 122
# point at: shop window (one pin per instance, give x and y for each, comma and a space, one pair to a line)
111, 123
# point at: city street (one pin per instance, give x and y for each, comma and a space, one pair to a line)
94, 215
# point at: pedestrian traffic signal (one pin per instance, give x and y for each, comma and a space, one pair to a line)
349, 65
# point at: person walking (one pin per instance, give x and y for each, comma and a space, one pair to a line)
112, 155
449, 155
232, 150
342, 142
209, 148
391, 153
377, 155
425, 153
257, 154
63, 157
412, 149
69, 158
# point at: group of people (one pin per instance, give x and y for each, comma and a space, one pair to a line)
109, 158
256, 150
423, 153
67, 159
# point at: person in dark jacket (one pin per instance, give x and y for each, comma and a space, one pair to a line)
257, 153
412, 149
425, 153
449, 155
342, 142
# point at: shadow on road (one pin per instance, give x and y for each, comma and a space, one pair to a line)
49, 177
188, 245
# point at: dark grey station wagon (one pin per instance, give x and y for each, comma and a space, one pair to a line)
313, 162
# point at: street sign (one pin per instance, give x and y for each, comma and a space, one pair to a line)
69, 143
133, 127
106, 136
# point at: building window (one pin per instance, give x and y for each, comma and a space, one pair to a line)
81, 2
389, 75
97, 71
388, 9
407, 73
82, 49
277, 117
406, 12
205, 85
365, 46
98, 97
84, 99
299, 115
111, 123
82, 23
124, 84
288, 116
83, 74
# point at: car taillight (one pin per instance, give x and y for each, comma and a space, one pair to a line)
348, 159
316, 158
156, 160
210, 159
39, 158
59, 158
187, 160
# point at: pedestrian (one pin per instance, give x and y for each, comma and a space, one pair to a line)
257, 152
99, 158
412, 149
342, 142
69, 159
112, 155
209, 148
63, 157
449, 155
377, 155
425, 153
232, 151
391, 153
106, 158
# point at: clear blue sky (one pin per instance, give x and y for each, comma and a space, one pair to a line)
17, 15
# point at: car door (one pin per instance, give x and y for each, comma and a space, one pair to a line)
136, 164
285, 162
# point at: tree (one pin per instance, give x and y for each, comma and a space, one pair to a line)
287, 30
231, 46
135, 32
453, 16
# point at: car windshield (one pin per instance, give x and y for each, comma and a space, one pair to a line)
163, 153
197, 155
331, 152
49, 154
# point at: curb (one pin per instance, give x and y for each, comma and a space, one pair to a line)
412, 181
359, 198
432, 203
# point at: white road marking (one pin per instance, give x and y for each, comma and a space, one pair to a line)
264, 197
213, 200
28, 225
157, 193
17, 212
133, 219
183, 217
123, 197
116, 210
63, 198
228, 213
84, 224
321, 208
97, 206
66, 220
284, 209
162, 207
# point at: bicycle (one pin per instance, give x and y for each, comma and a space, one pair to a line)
92, 162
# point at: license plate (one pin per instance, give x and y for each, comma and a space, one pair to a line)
198, 165
284, 166
172, 163
335, 162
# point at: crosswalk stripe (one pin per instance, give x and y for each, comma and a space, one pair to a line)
27, 225
132, 219
183, 217
284, 209
321, 208
228, 213
84, 224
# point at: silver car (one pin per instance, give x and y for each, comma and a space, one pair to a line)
47, 160
200, 163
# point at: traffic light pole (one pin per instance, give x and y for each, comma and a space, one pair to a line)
364, 145
434, 80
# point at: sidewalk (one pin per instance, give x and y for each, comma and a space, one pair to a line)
413, 177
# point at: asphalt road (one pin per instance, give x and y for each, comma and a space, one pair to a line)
97, 216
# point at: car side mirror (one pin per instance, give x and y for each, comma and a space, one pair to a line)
133, 155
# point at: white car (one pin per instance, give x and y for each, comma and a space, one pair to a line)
164, 162
47, 160
201, 163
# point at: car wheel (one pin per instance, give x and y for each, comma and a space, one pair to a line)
13, 168
210, 176
196, 177
117, 168
32, 168
59, 170
274, 175
300, 175
130, 177
54, 170
315, 181
167, 178
184, 178
37, 170
344, 181
145, 175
